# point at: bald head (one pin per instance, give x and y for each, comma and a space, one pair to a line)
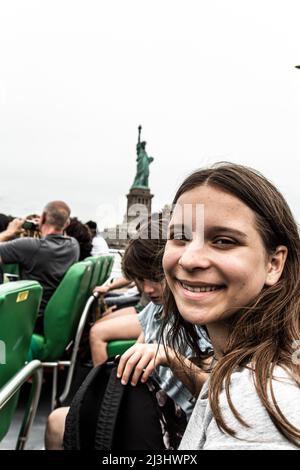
56, 214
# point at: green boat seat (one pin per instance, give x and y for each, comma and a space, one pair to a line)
11, 269
64, 319
107, 264
62, 313
118, 347
19, 305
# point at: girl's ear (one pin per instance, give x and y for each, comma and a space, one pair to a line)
276, 264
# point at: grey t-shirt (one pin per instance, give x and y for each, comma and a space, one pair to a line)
202, 432
45, 260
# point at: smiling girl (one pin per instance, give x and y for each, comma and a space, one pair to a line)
232, 263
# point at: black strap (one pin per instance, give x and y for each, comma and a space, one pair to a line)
72, 426
108, 412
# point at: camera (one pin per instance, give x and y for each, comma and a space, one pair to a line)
29, 225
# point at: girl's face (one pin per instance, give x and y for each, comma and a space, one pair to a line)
219, 266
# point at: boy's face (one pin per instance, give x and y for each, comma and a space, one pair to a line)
153, 290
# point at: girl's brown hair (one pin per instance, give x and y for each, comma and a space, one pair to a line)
263, 334
143, 255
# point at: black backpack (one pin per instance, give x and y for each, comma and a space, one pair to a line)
106, 415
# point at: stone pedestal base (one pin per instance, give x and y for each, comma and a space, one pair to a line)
138, 209
138, 204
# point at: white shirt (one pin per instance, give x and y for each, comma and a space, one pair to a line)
203, 432
100, 247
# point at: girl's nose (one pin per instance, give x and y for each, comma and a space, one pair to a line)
195, 256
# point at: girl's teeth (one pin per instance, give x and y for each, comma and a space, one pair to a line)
200, 289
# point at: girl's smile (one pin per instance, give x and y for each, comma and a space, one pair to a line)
198, 290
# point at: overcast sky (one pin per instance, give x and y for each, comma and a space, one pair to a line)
208, 80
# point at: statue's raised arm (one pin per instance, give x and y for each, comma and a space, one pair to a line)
143, 161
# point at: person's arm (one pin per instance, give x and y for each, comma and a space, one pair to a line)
14, 228
21, 251
141, 359
116, 284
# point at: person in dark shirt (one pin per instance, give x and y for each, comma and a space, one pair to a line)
47, 259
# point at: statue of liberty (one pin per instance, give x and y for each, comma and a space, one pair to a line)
143, 162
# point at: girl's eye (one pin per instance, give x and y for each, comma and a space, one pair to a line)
181, 233
224, 241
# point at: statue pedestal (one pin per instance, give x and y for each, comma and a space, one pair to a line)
138, 208
138, 203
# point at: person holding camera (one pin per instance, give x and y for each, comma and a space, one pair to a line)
13, 229
46, 259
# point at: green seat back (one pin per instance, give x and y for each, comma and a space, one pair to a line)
11, 269
97, 266
63, 311
19, 304
118, 347
107, 264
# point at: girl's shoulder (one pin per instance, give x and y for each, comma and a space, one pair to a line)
259, 432
282, 385
280, 377
281, 381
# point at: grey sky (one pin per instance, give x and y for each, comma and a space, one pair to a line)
208, 81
